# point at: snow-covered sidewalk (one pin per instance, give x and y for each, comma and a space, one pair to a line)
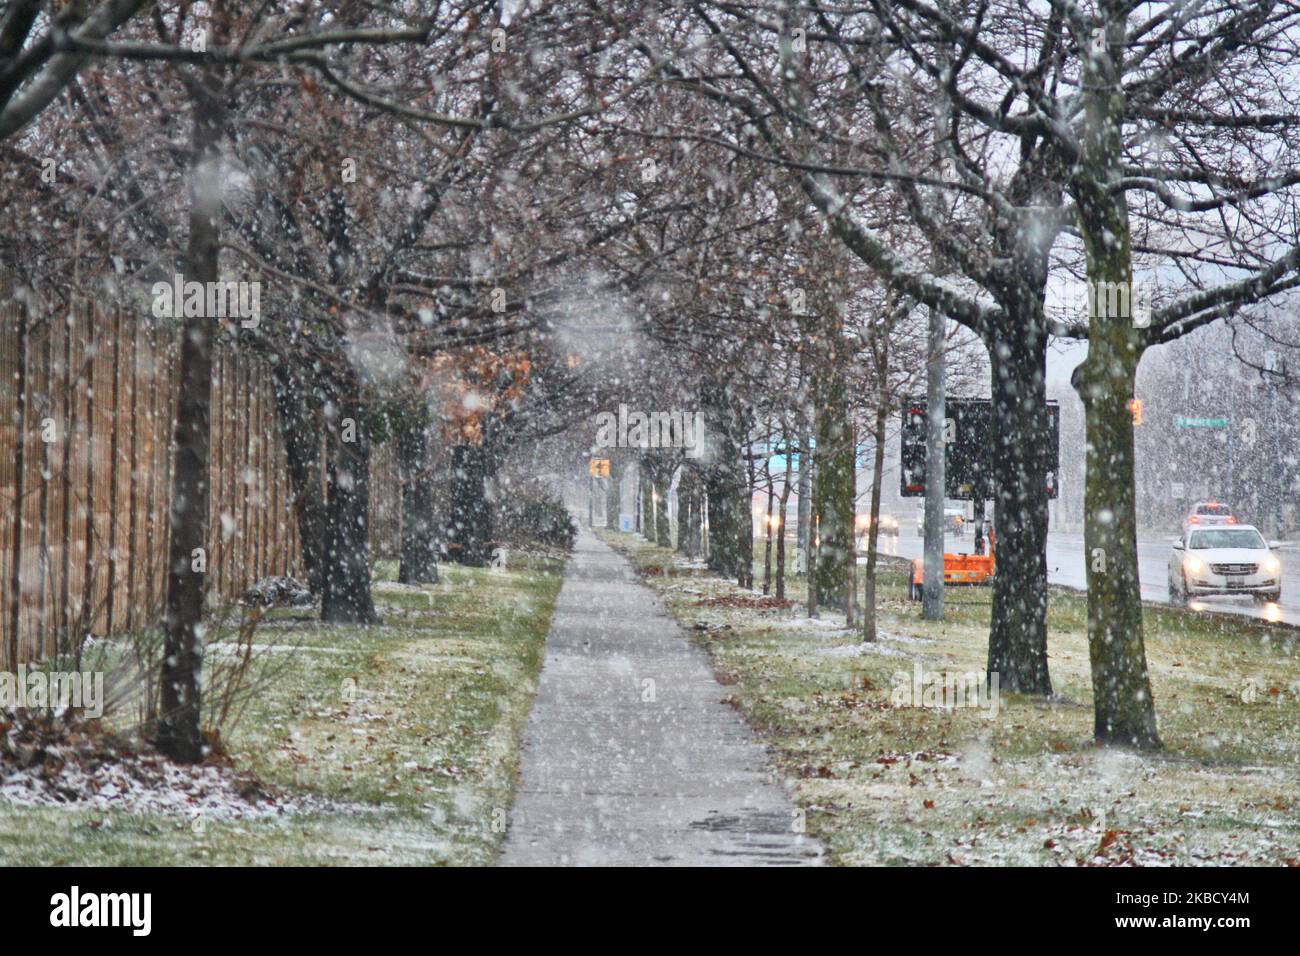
632, 756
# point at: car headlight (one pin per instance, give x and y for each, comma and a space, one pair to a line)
1193, 565
1272, 565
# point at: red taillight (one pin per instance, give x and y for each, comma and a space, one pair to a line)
1231, 520
1194, 519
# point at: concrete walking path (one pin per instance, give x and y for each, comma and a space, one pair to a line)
631, 757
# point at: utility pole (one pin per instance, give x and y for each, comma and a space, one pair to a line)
1277, 468
935, 414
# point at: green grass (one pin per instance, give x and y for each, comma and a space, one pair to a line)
886, 784
413, 727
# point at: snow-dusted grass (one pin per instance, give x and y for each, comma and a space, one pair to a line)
395, 744
914, 785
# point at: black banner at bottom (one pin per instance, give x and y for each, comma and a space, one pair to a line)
329, 906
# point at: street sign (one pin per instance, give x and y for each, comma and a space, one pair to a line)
598, 467
1182, 421
968, 449
781, 459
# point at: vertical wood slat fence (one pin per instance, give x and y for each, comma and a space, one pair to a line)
87, 403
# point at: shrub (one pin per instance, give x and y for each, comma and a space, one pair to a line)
536, 518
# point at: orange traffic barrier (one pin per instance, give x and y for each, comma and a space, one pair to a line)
973, 569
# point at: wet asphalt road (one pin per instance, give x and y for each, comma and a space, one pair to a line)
1066, 566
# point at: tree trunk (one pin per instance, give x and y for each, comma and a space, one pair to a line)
767, 528
873, 531
647, 503
745, 540
1020, 440
469, 522
780, 527
851, 565
833, 496
812, 565
346, 598
636, 501
803, 515
614, 497
419, 541
697, 532
725, 487
688, 535
683, 510
179, 734
300, 428
1124, 710
745, 530
702, 499
663, 523
935, 467
724, 495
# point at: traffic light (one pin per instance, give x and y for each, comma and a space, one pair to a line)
1135, 406
968, 448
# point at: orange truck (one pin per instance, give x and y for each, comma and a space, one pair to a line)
971, 569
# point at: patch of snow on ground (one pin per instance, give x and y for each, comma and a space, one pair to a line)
682, 588
148, 785
396, 587
879, 646
53, 761
230, 648
831, 621
859, 648
830, 626
903, 638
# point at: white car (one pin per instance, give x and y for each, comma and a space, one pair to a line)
1224, 559
888, 525
954, 520
1209, 513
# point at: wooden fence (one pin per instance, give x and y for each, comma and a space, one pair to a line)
87, 401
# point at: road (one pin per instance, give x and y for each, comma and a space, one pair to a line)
1065, 565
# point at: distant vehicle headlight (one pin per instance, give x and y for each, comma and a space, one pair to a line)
1193, 565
